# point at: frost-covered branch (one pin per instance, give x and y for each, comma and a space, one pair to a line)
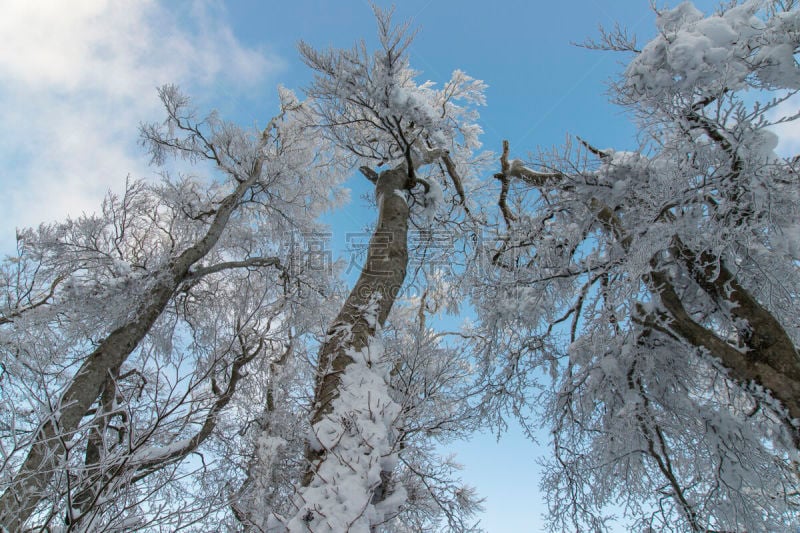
251, 262
115, 301
40, 300
690, 240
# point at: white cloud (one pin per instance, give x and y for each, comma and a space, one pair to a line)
77, 77
788, 132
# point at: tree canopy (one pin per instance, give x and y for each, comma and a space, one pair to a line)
179, 360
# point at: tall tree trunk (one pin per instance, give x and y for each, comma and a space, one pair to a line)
349, 471
370, 300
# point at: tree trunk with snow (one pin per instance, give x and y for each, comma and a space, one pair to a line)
372, 107
766, 355
373, 295
351, 335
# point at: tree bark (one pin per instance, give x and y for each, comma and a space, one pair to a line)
371, 299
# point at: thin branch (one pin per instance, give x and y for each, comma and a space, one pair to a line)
43, 300
253, 262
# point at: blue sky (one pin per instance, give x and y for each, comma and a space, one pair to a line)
76, 78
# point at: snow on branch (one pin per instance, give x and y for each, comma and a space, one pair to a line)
727, 51
371, 105
252, 262
516, 169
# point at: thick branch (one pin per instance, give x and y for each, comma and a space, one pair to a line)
771, 359
502, 202
370, 174
516, 169
742, 367
450, 166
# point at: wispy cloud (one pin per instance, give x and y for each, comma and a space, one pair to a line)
77, 77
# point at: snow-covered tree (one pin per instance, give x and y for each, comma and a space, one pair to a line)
155, 355
156, 358
660, 287
372, 106
124, 335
